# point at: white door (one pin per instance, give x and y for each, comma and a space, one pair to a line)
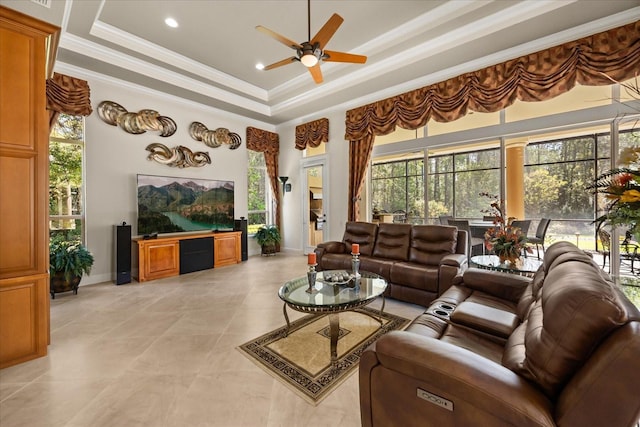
315, 202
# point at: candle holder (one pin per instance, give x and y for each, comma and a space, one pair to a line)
355, 265
311, 277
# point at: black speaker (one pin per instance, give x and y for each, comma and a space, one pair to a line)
123, 253
241, 225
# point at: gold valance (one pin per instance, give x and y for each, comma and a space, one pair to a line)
262, 140
69, 95
539, 76
312, 133
267, 143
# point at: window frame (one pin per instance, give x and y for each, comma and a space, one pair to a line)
74, 217
269, 202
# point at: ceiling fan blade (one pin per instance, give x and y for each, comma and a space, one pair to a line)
282, 39
333, 56
326, 32
280, 63
316, 73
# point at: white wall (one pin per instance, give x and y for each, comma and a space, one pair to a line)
336, 189
114, 158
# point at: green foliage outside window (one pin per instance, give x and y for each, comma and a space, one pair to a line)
65, 179
257, 192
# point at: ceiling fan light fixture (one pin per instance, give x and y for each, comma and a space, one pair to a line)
309, 60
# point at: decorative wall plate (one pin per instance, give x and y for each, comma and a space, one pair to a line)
136, 123
214, 138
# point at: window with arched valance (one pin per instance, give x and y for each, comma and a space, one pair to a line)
267, 143
596, 60
68, 95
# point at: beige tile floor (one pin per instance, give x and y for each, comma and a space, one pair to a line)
163, 353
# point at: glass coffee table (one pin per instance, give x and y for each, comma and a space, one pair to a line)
524, 267
332, 299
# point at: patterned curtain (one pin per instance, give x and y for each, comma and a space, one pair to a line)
360, 155
312, 133
593, 61
267, 143
67, 95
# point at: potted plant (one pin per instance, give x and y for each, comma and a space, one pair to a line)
507, 241
68, 260
268, 236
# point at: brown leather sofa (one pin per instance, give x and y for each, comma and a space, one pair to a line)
418, 261
560, 349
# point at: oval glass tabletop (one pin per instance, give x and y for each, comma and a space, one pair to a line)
365, 288
523, 265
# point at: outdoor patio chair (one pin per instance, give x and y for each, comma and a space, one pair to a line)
444, 219
541, 232
463, 224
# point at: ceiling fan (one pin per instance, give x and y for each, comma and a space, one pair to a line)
312, 52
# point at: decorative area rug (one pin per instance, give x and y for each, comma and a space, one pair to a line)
302, 359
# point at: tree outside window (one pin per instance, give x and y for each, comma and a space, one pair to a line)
66, 198
259, 193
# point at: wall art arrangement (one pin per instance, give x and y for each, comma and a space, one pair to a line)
178, 156
115, 114
214, 138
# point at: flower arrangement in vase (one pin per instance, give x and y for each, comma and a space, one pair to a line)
505, 240
621, 186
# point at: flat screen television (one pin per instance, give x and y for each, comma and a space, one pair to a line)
169, 204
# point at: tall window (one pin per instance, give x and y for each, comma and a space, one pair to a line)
259, 193
66, 194
398, 186
557, 174
456, 180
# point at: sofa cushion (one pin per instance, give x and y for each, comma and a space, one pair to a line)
430, 243
579, 309
487, 319
379, 266
393, 241
415, 275
362, 233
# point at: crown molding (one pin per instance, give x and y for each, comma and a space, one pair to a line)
575, 33
110, 56
129, 41
431, 48
90, 75
390, 39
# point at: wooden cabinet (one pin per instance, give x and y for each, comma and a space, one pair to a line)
159, 258
25, 45
226, 248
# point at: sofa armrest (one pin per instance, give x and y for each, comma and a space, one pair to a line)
456, 260
333, 247
467, 380
502, 285
451, 266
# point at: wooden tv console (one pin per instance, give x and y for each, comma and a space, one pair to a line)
160, 257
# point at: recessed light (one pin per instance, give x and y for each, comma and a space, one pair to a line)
260, 66
171, 22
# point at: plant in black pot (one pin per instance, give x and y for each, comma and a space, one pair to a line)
268, 236
68, 261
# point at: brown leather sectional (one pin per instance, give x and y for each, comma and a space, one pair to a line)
560, 349
418, 261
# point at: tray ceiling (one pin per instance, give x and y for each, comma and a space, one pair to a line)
210, 58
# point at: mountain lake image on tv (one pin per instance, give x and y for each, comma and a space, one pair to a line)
168, 205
